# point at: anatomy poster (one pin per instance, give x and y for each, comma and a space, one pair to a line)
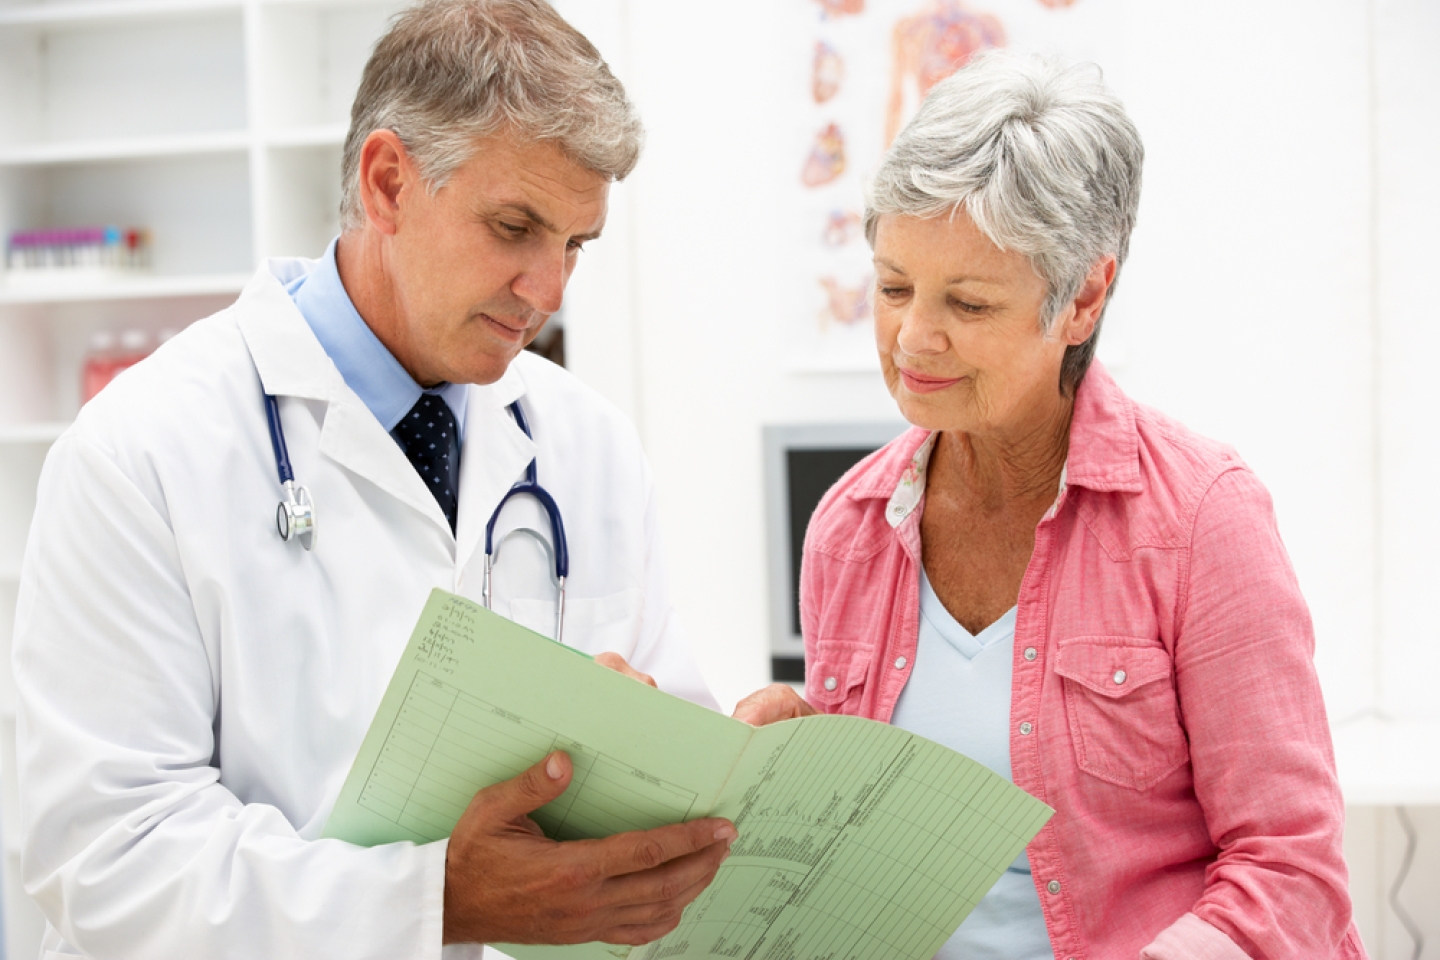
860, 69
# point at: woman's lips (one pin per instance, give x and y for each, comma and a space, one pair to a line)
921, 383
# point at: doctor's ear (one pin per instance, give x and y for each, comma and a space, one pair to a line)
386, 173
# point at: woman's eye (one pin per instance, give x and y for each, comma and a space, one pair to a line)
967, 307
890, 293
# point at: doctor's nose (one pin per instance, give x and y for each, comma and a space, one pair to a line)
542, 283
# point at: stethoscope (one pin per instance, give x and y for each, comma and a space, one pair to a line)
295, 515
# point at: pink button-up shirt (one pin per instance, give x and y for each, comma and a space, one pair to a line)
1163, 702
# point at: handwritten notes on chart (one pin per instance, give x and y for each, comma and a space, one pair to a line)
857, 839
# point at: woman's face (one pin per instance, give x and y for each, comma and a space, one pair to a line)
957, 324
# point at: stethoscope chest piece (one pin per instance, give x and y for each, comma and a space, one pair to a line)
295, 516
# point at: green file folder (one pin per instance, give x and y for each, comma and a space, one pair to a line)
856, 839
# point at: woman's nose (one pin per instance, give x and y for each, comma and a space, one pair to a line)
921, 331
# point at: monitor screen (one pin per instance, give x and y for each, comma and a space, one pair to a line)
809, 474
802, 462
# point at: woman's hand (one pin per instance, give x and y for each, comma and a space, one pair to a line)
772, 704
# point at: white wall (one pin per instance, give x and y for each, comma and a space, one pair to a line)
1275, 298
1407, 208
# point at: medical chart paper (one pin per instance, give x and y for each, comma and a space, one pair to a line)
857, 839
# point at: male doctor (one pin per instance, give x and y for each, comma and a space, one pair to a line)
193, 688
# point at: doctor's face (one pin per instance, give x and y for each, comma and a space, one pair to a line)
476, 268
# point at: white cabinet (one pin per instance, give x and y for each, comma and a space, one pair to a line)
214, 124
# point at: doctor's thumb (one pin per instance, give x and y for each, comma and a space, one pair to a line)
532, 789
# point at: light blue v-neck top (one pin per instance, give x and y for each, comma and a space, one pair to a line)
959, 695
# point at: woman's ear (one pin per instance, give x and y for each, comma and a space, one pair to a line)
1089, 302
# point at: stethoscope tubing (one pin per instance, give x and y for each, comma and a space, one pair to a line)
530, 486
295, 515
277, 440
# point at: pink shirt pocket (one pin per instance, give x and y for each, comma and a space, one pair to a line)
1123, 712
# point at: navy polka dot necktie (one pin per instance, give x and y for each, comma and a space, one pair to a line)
432, 444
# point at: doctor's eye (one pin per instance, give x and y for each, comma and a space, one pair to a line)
576, 245
513, 231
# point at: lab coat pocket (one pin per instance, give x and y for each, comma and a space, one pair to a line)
1123, 712
592, 624
835, 676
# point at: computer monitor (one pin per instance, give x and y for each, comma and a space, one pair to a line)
802, 461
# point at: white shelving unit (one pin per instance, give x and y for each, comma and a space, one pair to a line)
215, 124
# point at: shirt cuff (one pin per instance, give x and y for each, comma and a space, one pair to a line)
1191, 938
432, 911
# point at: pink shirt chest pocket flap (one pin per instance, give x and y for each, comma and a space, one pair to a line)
1123, 713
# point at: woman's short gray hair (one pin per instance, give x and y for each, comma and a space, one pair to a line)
450, 72
1043, 159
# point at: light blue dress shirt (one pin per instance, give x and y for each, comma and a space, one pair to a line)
368, 367
959, 695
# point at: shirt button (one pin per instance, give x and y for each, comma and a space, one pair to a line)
1053, 886
1119, 676
899, 663
1030, 653
830, 683
1025, 728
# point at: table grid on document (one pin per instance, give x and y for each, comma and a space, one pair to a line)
826, 870
430, 767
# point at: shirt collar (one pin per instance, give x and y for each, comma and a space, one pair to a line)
1104, 450
367, 366
1104, 440
910, 489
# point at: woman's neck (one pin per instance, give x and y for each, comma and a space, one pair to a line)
1006, 468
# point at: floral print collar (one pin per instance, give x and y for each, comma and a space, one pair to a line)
910, 490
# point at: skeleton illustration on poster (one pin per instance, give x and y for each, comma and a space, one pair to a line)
868, 64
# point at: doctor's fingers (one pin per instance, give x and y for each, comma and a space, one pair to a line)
647, 896
618, 663
646, 923
503, 802
639, 851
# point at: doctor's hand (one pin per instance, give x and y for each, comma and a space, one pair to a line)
506, 883
771, 704
617, 663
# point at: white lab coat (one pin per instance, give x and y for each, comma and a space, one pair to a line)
192, 690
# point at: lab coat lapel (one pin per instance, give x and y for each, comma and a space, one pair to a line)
291, 363
493, 457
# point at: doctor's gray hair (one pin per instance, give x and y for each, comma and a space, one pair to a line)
450, 72
1042, 158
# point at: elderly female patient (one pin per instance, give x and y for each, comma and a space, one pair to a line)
1065, 585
